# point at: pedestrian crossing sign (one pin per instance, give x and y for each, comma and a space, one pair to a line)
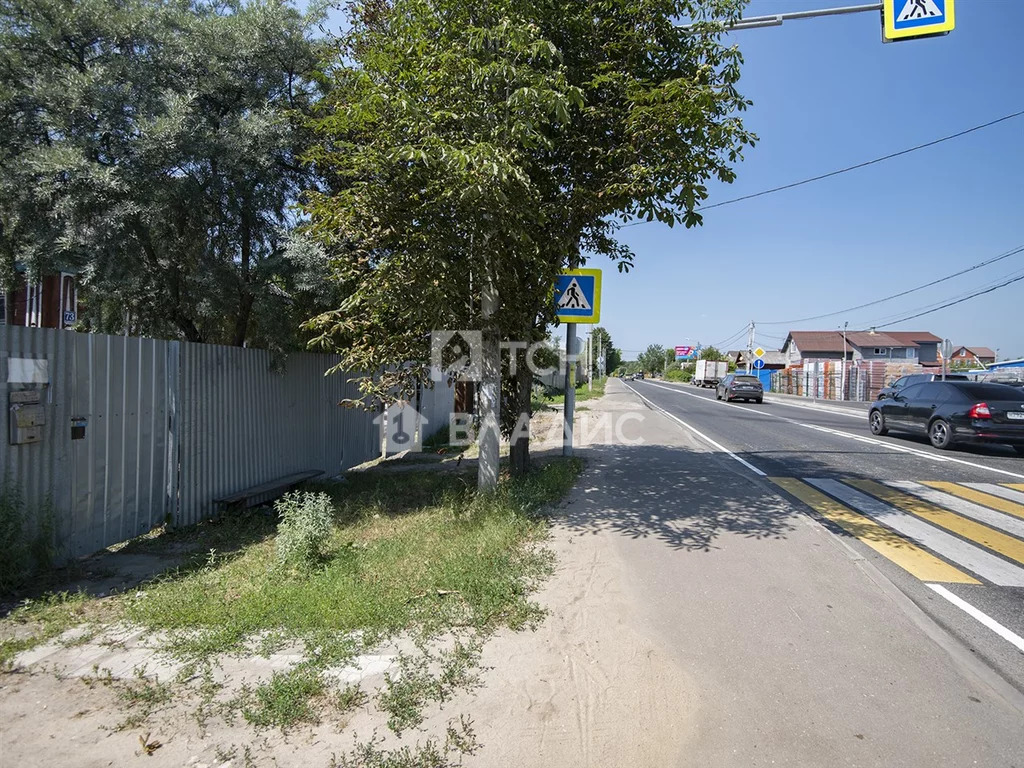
904, 19
578, 296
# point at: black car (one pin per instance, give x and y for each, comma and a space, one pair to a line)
917, 378
738, 386
950, 412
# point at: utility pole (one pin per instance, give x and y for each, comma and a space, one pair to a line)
842, 370
750, 346
570, 388
590, 361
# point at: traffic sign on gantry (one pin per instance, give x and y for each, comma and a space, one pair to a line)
906, 19
578, 296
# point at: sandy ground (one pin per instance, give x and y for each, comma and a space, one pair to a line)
588, 687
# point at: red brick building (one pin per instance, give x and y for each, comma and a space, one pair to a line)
51, 302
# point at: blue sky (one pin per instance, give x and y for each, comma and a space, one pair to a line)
827, 94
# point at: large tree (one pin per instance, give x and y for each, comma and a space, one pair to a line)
473, 147
152, 147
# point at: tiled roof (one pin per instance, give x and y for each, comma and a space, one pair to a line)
818, 341
977, 351
832, 341
877, 339
918, 337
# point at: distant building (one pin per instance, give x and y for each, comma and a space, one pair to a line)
973, 355
772, 360
917, 347
51, 302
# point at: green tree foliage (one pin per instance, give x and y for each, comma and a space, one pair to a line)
602, 344
466, 143
713, 354
152, 147
652, 359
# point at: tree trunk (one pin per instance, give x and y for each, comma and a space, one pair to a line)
490, 387
519, 453
245, 299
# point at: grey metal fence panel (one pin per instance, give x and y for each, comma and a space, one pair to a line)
435, 406
243, 422
170, 426
107, 486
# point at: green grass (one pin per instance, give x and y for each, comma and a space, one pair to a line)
411, 548
583, 392
286, 699
418, 551
40, 620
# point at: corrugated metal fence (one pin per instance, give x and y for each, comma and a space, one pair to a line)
824, 379
138, 432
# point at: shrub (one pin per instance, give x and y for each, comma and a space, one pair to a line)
302, 534
13, 553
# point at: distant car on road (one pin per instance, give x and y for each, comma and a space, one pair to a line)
639, 376
739, 386
951, 412
917, 378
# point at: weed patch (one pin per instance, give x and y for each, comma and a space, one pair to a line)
286, 699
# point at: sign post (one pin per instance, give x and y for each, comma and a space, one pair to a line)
947, 352
577, 300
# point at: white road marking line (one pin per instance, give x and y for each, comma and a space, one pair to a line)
982, 514
699, 434
954, 549
1007, 634
850, 436
805, 406
997, 490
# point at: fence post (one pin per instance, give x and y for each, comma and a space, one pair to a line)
173, 384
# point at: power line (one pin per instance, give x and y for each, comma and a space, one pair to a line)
726, 342
886, 319
851, 167
958, 301
979, 265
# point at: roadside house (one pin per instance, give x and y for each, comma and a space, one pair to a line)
973, 355
50, 302
915, 347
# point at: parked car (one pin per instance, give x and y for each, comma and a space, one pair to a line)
740, 386
917, 378
951, 412
639, 376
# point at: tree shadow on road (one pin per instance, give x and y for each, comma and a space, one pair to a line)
685, 498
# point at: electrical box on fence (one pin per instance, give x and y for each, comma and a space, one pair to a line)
27, 417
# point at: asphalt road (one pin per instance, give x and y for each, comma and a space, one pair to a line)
933, 522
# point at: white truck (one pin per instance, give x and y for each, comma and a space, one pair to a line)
708, 373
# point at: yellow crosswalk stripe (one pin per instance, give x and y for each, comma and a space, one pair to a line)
905, 553
1003, 543
979, 497
1015, 486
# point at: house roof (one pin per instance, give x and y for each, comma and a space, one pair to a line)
832, 341
976, 351
917, 337
817, 341
770, 357
877, 339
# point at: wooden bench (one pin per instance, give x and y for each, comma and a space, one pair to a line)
271, 490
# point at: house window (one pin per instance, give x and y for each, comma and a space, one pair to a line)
878, 350
910, 353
